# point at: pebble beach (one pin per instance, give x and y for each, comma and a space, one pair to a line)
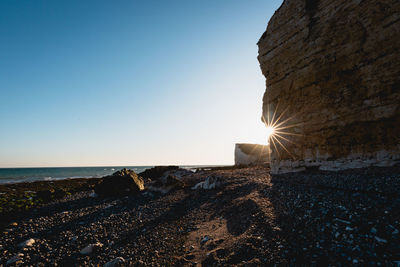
251, 219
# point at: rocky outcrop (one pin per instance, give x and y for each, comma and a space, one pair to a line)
120, 183
157, 172
165, 178
251, 154
332, 71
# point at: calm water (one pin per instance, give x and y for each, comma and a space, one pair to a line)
15, 175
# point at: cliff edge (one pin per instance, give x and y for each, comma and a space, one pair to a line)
332, 71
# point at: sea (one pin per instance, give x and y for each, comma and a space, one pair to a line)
17, 175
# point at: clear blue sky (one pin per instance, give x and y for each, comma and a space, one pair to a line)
86, 83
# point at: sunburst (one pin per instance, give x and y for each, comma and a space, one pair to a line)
278, 129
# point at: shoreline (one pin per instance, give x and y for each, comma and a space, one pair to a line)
251, 218
88, 172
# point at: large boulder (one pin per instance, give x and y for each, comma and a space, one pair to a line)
332, 71
120, 183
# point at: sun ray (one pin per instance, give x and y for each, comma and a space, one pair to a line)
284, 138
277, 123
265, 123
283, 146
280, 132
279, 129
289, 126
276, 149
273, 115
280, 116
268, 115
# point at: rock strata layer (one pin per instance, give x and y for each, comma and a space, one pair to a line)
332, 71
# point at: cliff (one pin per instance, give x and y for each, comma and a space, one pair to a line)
251, 154
332, 71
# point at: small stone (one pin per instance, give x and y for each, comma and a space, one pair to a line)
204, 240
13, 260
27, 243
115, 262
349, 228
355, 261
89, 249
342, 221
381, 240
373, 230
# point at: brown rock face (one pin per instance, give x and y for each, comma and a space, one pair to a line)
332, 70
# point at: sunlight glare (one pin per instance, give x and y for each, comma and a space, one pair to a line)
270, 132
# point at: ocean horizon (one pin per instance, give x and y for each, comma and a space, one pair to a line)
31, 174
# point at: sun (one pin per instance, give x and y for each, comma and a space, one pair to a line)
276, 129
270, 132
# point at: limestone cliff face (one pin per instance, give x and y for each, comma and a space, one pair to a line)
334, 66
251, 154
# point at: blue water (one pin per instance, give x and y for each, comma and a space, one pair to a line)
16, 175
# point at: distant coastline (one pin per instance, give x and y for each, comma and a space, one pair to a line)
19, 175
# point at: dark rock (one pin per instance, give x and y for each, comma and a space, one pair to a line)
157, 172
115, 262
211, 260
120, 183
166, 184
173, 181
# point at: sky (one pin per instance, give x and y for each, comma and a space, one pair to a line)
114, 83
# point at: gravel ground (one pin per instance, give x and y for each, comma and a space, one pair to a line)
310, 218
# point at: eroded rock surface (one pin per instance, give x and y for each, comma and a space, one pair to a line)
334, 66
251, 154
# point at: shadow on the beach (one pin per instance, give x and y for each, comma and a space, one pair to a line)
326, 217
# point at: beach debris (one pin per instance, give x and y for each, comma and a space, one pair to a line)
93, 194
120, 183
27, 243
89, 249
115, 262
211, 182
